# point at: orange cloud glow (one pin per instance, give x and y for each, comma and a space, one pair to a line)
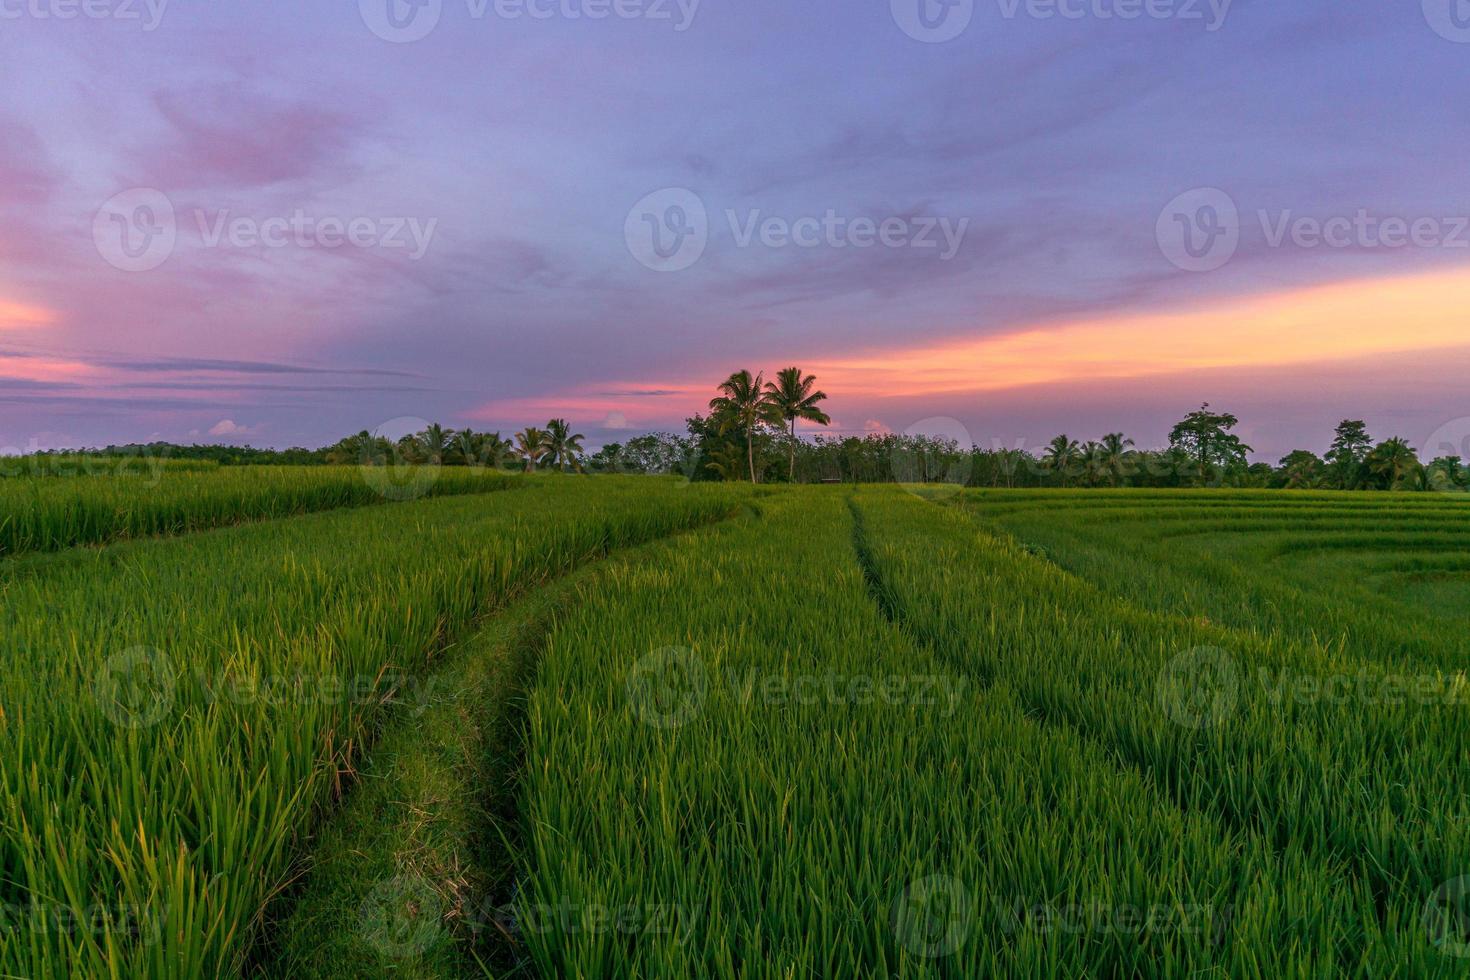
1343, 321
1340, 322
17, 315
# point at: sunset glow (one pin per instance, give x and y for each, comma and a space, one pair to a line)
1330, 323
15, 315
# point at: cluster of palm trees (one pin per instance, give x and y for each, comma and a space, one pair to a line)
1108, 461
554, 447
748, 403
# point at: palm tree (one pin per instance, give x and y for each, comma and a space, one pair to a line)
531, 446
1395, 460
725, 461
744, 405
481, 448
792, 394
432, 443
563, 449
1116, 454
364, 449
1092, 462
1061, 456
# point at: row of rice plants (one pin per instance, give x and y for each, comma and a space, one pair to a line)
1250, 579
737, 766
89, 464
42, 514
175, 713
1323, 753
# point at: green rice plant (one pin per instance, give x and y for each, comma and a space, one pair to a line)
737, 765
64, 465
176, 714
40, 514
1313, 747
1304, 580
413, 874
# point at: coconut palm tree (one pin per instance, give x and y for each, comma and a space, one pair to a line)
744, 405
563, 449
1115, 457
726, 462
1394, 460
531, 446
364, 449
432, 444
792, 394
481, 448
1061, 456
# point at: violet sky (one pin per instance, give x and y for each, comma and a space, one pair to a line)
278, 221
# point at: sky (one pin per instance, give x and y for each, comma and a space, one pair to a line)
277, 223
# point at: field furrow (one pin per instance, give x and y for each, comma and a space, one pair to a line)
1215, 717
176, 714
735, 769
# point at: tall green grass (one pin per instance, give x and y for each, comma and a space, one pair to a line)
175, 713
1370, 779
738, 765
41, 514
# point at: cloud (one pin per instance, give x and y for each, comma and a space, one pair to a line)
169, 364
226, 135
228, 427
615, 420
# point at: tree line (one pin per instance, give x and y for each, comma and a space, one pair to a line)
750, 433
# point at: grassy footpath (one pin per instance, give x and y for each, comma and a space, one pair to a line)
48, 514
1223, 722
737, 766
175, 714
413, 876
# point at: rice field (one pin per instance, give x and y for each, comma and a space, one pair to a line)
52, 514
620, 726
